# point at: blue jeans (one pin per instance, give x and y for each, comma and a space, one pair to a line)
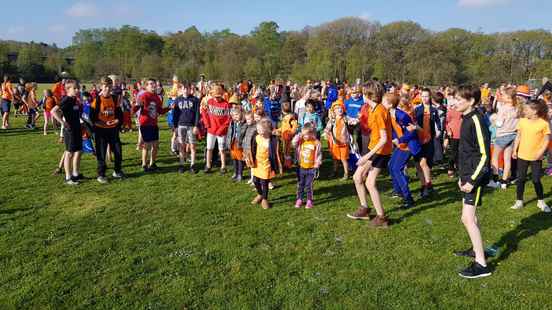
397, 166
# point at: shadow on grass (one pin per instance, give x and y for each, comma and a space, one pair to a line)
528, 227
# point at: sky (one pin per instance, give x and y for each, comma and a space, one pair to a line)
55, 21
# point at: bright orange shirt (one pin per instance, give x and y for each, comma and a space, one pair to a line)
288, 127
106, 111
425, 134
49, 104
7, 91
378, 120
307, 154
262, 170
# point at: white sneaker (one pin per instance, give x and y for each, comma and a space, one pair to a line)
102, 180
518, 205
503, 185
544, 208
250, 181
493, 184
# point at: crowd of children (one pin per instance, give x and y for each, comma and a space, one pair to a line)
480, 138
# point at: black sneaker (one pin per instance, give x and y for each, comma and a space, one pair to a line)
474, 271
153, 167
193, 170
181, 169
146, 169
207, 169
222, 171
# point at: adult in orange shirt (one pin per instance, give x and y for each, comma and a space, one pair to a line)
379, 152
7, 98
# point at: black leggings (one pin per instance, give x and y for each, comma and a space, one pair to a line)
536, 171
262, 187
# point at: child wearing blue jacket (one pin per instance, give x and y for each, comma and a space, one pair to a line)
405, 139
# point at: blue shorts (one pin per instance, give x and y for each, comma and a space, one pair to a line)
149, 133
6, 104
505, 141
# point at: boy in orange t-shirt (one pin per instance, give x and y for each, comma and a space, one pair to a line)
377, 158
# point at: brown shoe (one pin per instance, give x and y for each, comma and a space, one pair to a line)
360, 214
379, 222
265, 204
257, 200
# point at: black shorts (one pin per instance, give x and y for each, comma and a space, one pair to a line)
380, 161
72, 139
6, 104
426, 152
149, 133
475, 197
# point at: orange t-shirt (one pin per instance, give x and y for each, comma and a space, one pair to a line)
49, 104
106, 112
7, 91
379, 120
307, 154
425, 134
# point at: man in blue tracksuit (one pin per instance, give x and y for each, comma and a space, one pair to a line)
405, 139
331, 96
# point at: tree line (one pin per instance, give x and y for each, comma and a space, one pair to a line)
347, 48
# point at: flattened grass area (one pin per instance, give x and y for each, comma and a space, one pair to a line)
165, 241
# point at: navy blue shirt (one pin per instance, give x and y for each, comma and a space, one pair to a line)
186, 111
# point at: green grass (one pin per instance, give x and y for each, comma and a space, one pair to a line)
166, 241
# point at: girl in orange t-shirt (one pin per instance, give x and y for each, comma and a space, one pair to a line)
370, 165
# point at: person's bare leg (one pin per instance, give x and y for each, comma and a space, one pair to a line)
76, 163
145, 154
494, 159
182, 154
209, 158
45, 125
192, 149
345, 167
420, 173
358, 178
426, 170
507, 163
469, 220
61, 160
373, 190
67, 161
222, 159
154, 149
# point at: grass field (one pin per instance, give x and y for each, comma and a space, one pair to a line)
169, 241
